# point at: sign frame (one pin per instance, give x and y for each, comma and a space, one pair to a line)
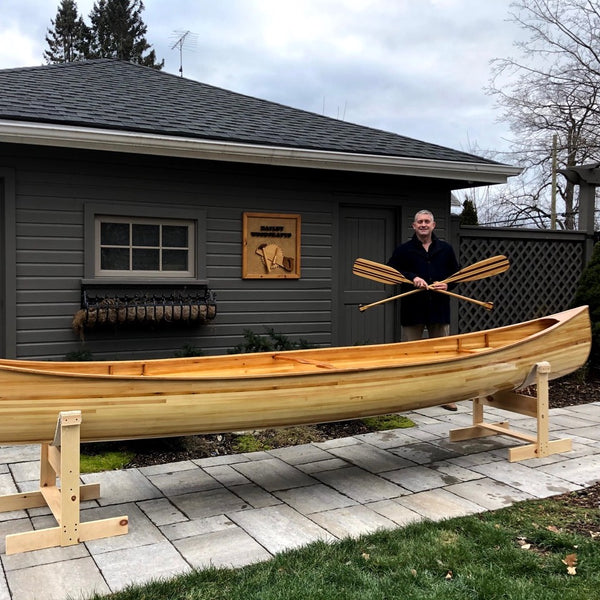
271, 245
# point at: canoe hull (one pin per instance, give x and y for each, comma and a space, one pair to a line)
173, 397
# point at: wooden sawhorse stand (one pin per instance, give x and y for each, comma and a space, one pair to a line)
60, 459
539, 445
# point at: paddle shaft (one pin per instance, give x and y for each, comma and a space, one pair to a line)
486, 305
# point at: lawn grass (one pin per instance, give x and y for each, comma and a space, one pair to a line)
515, 553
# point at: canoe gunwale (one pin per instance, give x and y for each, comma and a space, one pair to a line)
303, 365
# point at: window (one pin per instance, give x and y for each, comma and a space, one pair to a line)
148, 247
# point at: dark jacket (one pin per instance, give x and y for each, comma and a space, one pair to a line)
436, 264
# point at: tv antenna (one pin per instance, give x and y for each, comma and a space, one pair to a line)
183, 38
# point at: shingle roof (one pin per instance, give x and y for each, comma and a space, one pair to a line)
112, 94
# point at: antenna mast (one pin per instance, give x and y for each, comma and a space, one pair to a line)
183, 36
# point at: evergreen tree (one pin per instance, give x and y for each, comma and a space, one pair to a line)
468, 216
69, 37
118, 31
588, 292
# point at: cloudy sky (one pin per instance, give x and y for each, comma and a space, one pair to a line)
413, 67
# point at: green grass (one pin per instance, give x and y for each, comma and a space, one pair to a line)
104, 461
512, 554
385, 422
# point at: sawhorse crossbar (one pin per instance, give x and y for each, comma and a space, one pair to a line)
60, 460
539, 445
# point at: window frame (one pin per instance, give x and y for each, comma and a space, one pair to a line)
95, 211
132, 272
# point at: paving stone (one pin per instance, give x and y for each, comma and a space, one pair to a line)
352, 521
423, 453
420, 420
184, 482
141, 529
182, 465
227, 459
315, 498
488, 493
280, 528
591, 433
300, 455
337, 443
226, 475
274, 474
57, 581
394, 511
198, 505
46, 556
11, 526
161, 511
455, 472
117, 487
470, 460
439, 504
24, 453
567, 422
370, 458
584, 471
420, 478
387, 439
323, 465
255, 496
139, 565
178, 531
4, 591
360, 485
233, 548
533, 481
26, 471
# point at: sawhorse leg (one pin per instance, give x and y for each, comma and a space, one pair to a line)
60, 459
538, 407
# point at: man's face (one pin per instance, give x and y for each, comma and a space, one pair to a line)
424, 225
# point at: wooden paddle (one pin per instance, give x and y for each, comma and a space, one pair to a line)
375, 271
386, 274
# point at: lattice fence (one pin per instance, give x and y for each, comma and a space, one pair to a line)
542, 279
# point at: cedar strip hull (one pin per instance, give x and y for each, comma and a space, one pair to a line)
185, 396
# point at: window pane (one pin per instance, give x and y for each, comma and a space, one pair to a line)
114, 259
145, 260
114, 234
175, 260
175, 236
146, 235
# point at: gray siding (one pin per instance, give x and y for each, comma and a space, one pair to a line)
54, 186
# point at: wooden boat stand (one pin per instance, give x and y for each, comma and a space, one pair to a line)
60, 459
539, 445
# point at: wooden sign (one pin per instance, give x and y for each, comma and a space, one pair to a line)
271, 246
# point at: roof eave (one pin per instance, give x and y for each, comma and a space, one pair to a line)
43, 134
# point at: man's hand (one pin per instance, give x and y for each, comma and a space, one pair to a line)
438, 285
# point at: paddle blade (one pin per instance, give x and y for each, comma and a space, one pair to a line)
370, 269
480, 270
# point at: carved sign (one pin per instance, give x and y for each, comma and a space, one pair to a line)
271, 246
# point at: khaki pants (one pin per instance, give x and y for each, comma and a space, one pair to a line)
410, 333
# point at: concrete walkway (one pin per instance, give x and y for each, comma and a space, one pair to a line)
236, 510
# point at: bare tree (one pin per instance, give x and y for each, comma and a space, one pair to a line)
552, 89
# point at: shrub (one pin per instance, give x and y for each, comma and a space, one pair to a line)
273, 342
187, 351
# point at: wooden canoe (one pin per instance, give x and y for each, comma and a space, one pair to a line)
185, 396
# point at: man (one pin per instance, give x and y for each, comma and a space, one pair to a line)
425, 260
